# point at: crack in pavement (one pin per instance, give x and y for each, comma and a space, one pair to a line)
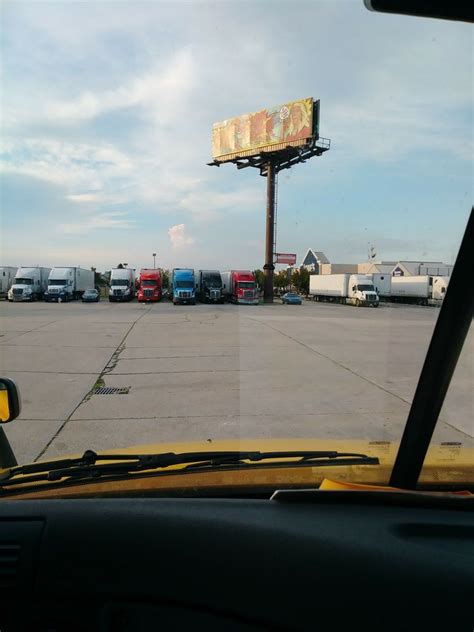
89, 393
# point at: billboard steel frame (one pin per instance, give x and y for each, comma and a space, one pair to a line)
269, 164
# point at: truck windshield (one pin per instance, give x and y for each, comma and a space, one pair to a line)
23, 282
366, 288
148, 283
246, 285
212, 281
187, 284
120, 282
57, 282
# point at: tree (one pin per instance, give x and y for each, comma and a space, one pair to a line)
300, 279
280, 280
120, 266
259, 277
165, 279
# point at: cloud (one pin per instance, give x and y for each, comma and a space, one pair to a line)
105, 220
178, 236
162, 91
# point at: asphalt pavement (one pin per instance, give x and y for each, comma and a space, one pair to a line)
209, 372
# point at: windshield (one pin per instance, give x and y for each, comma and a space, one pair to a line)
246, 285
120, 282
310, 148
90, 292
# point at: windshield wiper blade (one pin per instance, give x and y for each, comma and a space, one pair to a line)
92, 465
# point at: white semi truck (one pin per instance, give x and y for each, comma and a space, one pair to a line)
68, 284
419, 289
122, 284
7, 274
29, 284
353, 289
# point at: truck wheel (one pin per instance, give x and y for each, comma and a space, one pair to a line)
357, 302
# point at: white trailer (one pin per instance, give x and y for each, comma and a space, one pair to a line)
382, 283
415, 289
7, 275
353, 289
29, 284
68, 283
122, 284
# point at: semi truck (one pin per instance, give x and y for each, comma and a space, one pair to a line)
29, 284
7, 274
209, 286
352, 289
419, 289
149, 286
68, 283
239, 287
122, 284
182, 289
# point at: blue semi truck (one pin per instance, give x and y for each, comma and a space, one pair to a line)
182, 286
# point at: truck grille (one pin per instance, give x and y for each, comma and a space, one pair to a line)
17, 292
117, 292
370, 298
148, 293
53, 291
248, 294
215, 294
184, 294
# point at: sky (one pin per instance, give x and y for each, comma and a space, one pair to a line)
107, 110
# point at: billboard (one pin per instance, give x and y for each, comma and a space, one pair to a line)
273, 129
283, 257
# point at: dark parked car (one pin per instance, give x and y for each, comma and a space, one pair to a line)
91, 296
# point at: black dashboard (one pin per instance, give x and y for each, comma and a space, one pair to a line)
218, 564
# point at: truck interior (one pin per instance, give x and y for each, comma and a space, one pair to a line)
295, 560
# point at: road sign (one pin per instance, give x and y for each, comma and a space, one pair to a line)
284, 257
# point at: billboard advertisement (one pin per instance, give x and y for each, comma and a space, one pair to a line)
272, 129
283, 257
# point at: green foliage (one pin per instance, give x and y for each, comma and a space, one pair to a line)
165, 279
259, 277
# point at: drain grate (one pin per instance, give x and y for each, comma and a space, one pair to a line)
112, 390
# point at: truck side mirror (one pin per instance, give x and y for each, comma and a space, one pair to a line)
9, 400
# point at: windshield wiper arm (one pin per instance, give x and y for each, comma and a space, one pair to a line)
92, 465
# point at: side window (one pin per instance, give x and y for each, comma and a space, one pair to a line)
443, 290
353, 288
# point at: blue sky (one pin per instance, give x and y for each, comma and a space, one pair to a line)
107, 111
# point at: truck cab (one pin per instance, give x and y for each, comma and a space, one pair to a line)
182, 286
29, 284
149, 286
209, 286
122, 284
240, 287
361, 291
60, 285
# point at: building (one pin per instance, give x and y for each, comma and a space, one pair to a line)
338, 268
313, 261
376, 267
415, 268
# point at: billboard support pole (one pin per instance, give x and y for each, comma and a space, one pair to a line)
269, 266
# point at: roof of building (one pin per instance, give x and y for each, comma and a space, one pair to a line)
318, 255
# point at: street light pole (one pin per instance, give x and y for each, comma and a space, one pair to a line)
269, 266
154, 261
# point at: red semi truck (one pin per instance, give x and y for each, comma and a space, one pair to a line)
149, 286
239, 287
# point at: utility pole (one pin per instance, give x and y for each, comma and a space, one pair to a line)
269, 266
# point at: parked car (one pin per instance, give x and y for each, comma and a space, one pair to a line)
290, 298
91, 296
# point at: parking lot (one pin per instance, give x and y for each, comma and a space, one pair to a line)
213, 372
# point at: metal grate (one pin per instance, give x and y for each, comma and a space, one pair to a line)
112, 390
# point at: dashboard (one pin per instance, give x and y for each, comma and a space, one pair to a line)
327, 563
